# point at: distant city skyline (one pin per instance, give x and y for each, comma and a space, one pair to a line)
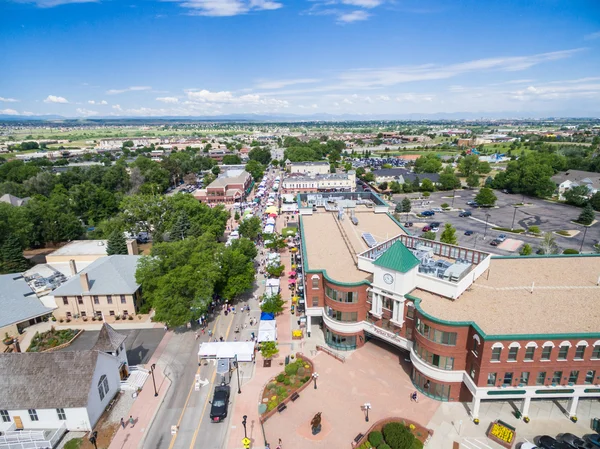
105, 58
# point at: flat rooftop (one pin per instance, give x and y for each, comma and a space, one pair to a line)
333, 245
565, 297
81, 247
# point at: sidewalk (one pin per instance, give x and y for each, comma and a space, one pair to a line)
146, 406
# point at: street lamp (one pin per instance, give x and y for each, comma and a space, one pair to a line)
453, 195
512, 226
237, 367
487, 216
244, 418
583, 239
93, 438
314, 376
153, 380
367, 407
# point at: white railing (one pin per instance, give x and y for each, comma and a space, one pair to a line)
31, 439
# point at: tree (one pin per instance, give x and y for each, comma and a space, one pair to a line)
577, 196
429, 235
427, 185
548, 244
473, 180
486, 197
428, 163
116, 244
269, 349
128, 144
237, 273
215, 170
11, 256
256, 169
250, 228
448, 179
595, 201
272, 304
383, 186
231, 159
181, 227
587, 215
275, 271
406, 205
449, 234
526, 250
276, 242
395, 187
468, 165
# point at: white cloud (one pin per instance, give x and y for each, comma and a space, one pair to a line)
278, 84
168, 99
354, 16
128, 89
91, 102
8, 100
117, 107
86, 112
555, 91
9, 112
592, 36
226, 8
53, 3
55, 99
206, 96
347, 101
414, 98
382, 98
363, 3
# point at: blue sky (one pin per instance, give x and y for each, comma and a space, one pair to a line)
211, 57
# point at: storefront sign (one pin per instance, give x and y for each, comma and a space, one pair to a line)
502, 433
376, 330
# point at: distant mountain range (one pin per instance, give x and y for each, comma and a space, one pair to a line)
452, 116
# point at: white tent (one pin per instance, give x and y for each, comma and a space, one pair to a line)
270, 221
269, 229
267, 330
272, 287
227, 350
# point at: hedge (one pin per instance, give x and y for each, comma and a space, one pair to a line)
515, 231
398, 436
375, 438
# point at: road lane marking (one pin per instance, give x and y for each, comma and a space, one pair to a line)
212, 381
174, 437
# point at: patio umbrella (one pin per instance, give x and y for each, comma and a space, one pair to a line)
274, 215
294, 250
291, 281
292, 273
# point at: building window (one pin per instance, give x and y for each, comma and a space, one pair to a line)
430, 388
33, 414
439, 361
109, 299
546, 352
315, 282
512, 354
436, 336
111, 313
525, 377
123, 299
80, 300
124, 312
410, 312
573, 376
475, 347
529, 353
496, 353
83, 314
579, 352
61, 414
65, 301
350, 297
596, 352
341, 342
556, 377
315, 301
342, 316
69, 315
508, 377
103, 387
541, 378
5, 416
96, 300
491, 380
409, 333
589, 377
563, 351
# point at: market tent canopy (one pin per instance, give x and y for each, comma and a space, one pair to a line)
267, 331
244, 350
266, 316
269, 229
271, 210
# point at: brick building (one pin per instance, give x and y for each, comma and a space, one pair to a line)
230, 187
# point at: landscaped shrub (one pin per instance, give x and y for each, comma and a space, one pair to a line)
570, 251
398, 436
280, 377
287, 381
417, 444
515, 231
301, 371
375, 438
383, 446
534, 229
305, 379
565, 233
291, 369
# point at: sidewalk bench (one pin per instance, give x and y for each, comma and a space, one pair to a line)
294, 396
281, 407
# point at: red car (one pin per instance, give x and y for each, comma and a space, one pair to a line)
426, 229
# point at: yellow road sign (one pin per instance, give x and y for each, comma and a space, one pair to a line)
246, 442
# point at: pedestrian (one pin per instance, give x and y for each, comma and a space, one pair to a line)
279, 441
166, 328
221, 338
131, 421
122, 423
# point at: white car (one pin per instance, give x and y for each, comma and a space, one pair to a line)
528, 445
436, 209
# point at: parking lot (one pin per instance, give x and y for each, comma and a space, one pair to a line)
548, 216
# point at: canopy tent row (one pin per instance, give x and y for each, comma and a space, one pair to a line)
267, 330
244, 350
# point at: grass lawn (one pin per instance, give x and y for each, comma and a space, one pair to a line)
75, 443
287, 232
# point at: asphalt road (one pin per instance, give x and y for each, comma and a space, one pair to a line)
549, 216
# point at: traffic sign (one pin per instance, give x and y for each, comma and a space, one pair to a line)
246, 442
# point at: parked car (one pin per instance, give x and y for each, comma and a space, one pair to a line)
528, 445
219, 403
495, 242
408, 224
426, 228
593, 439
435, 224
436, 209
501, 237
468, 232
465, 213
474, 204
428, 213
574, 441
547, 442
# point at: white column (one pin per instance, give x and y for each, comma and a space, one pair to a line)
379, 305
374, 302
308, 328
525, 407
475, 411
573, 406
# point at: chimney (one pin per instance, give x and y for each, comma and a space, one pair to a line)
132, 248
85, 282
73, 267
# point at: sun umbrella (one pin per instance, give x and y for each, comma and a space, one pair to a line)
291, 281
292, 273
294, 250
274, 215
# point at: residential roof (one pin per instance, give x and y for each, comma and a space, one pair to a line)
578, 176
82, 247
406, 174
18, 302
108, 339
302, 177
309, 164
110, 275
333, 245
237, 177
398, 257
13, 200
45, 380
549, 294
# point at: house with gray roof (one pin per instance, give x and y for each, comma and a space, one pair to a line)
13, 200
566, 180
106, 287
55, 390
403, 176
19, 305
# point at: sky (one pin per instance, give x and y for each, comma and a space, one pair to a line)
103, 58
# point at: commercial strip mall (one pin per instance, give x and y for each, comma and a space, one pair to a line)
477, 326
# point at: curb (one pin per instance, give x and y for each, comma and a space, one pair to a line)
151, 422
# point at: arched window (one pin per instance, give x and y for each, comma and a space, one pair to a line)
580, 349
103, 387
476, 343
563, 350
596, 350
513, 351
497, 351
530, 351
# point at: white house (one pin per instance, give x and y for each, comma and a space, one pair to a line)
54, 390
575, 178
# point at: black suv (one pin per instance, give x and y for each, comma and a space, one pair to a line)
219, 403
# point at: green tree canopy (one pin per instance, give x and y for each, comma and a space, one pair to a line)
587, 215
428, 163
255, 169
261, 155
486, 197
116, 243
250, 228
449, 234
11, 256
